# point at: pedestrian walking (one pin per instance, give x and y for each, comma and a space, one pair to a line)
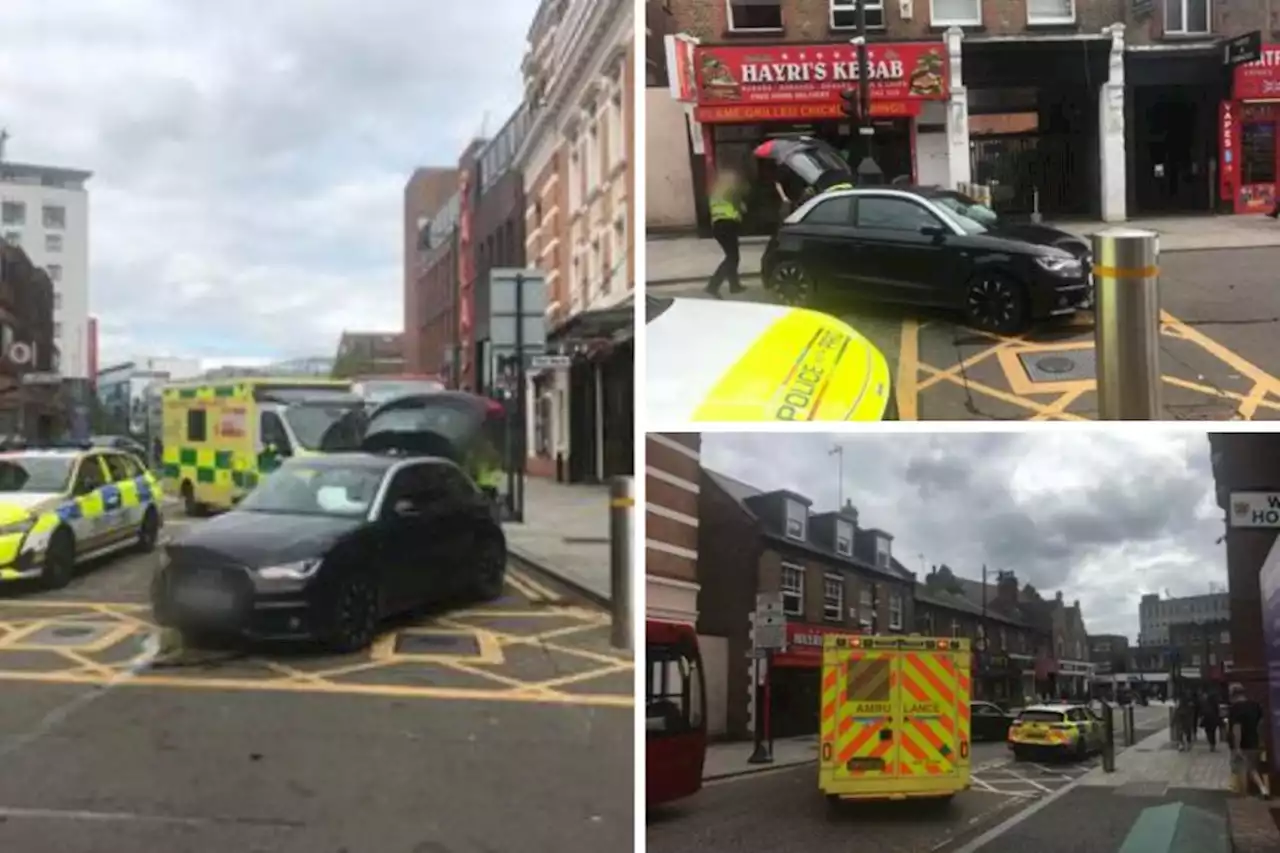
728, 204
1245, 723
1186, 721
1210, 720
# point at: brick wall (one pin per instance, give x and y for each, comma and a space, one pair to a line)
672, 466
424, 195
816, 570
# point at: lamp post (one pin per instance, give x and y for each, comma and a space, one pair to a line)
868, 172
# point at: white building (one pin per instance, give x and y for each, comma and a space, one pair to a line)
123, 390
576, 160
45, 210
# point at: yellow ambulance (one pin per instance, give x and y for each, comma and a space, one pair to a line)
220, 437
894, 718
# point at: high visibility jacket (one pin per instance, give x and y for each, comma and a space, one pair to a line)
725, 205
841, 186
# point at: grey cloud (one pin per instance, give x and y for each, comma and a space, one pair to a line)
1100, 517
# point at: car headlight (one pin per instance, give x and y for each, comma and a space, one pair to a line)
1059, 265
298, 570
17, 528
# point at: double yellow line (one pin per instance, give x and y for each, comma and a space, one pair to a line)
530, 588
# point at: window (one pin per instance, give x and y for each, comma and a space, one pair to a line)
57, 330
133, 468
895, 611
882, 552
53, 242
90, 475
963, 12
1226, 637
116, 466
273, 433
13, 213
1187, 17
844, 538
13, 238
746, 15
955, 627
833, 598
673, 692
1004, 640
926, 624
196, 425
55, 216
866, 609
844, 14
836, 211
797, 519
1051, 11
55, 272
792, 589
57, 300
894, 214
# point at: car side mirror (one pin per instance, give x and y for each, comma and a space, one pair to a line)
934, 231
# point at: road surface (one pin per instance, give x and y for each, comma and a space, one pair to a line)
507, 727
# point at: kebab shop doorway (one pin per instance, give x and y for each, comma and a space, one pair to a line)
733, 146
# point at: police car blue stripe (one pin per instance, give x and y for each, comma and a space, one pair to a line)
69, 511
144, 489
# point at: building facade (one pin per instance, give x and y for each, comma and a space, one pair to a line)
425, 195
27, 347
1158, 616
438, 343
673, 472
45, 210
370, 354
1110, 654
579, 201
832, 576
125, 392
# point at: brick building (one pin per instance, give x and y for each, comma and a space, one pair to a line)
425, 195
27, 349
1110, 654
369, 354
832, 574
577, 161
436, 342
672, 486
1103, 109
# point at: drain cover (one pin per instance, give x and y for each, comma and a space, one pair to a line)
73, 631
67, 634
451, 645
1060, 365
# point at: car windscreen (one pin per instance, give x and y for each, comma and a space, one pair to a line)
316, 489
311, 423
35, 473
1041, 717
973, 217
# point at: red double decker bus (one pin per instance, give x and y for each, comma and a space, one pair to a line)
675, 712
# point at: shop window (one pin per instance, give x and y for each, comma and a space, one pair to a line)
797, 520
844, 14
962, 12
1258, 153
836, 211
748, 15
894, 214
1051, 11
832, 598
792, 589
1187, 17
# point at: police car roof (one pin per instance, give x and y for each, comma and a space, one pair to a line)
1056, 708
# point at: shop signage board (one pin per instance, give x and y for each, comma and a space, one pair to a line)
789, 81
1242, 49
1254, 509
1259, 79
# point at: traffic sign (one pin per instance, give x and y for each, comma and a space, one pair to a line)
550, 362
769, 603
1242, 50
1254, 509
771, 636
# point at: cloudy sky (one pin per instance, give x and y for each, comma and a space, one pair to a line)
250, 158
1100, 516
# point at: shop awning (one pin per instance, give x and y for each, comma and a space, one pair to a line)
613, 325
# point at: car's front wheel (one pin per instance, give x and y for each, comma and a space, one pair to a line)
994, 302
793, 285
355, 614
59, 560
491, 570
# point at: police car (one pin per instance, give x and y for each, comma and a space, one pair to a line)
61, 506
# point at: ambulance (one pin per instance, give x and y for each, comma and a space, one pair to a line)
894, 718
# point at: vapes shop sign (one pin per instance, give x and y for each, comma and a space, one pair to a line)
1254, 509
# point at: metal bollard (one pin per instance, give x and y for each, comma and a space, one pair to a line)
1127, 324
1109, 735
1173, 724
1130, 726
622, 501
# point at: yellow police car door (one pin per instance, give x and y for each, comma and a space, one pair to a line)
90, 520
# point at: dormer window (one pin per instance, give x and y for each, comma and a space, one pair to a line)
882, 552
844, 538
797, 520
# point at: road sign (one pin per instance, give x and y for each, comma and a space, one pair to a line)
1242, 50
769, 603
771, 636
1254, 509
550, 362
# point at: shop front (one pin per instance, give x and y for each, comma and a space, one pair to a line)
747, 95
999, 678
794, 684
1247, 135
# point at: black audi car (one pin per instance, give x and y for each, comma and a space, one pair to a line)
326, 547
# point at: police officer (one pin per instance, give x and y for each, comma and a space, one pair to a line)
727, 207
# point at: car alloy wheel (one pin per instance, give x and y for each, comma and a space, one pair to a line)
356, 615
994, 303
59, 561
792, 284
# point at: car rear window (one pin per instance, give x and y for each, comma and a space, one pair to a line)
1041, 717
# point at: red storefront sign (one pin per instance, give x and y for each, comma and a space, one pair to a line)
804, 644
783, 82
1258, 80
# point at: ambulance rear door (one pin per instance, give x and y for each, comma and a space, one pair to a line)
933, 720
860, 747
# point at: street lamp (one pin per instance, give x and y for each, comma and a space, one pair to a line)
868, 172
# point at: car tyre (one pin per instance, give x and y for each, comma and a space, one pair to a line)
355, 614
149, 531
994, 302
1019, 754
491, 570
792, 285
59, 560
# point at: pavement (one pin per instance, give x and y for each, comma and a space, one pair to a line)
565, 534
1219, 321
518, 710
